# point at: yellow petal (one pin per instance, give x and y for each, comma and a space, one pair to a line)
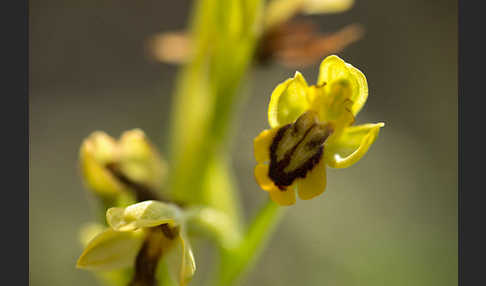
261, 176
288, 101
111, 250
90, 231
333, 103
344, 119
96, 151
261, 145
283, 198
140, 161
334, 68
351, 145
279, 11
102, 146
143, 214
326, 6
188, 265
180, 260
314, 182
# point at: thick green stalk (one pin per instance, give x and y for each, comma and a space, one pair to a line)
224, 33
224, 37
238, 261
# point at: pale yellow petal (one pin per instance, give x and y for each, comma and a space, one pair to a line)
279, 11
333, 103
143, 214
314, 182
261, 176
140, 161
288, 101
326, 6
96, 151
90, 231
261, 145
283, 198
102, 146
334, 68
351, 145
360, 94
188, 264
111, 250
181, 261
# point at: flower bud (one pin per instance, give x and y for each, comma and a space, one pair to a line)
140, 161
113, 169
98, 151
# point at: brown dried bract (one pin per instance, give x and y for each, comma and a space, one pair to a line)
298, 43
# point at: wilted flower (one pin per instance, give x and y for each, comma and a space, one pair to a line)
139, 236
292, 43
298, 43
311, 128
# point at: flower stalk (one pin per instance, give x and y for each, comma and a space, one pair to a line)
238, 261
221, 30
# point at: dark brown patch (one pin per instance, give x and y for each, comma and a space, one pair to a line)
169, 232
276, 171
141, 192
148, 259
149, 255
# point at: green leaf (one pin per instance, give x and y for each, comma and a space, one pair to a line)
220, 193
215, 224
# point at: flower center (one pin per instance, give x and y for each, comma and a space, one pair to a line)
297, 148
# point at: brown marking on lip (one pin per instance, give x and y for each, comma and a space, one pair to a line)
277, 173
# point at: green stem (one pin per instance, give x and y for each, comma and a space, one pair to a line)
224, 34
236, 262
224, 38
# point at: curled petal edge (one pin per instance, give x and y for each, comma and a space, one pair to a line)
357, 138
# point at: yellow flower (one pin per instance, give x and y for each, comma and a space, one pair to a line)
133, 155
312, 128
152, 229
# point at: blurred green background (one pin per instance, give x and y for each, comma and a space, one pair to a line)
391, 219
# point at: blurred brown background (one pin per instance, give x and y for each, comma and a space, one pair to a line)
389, 220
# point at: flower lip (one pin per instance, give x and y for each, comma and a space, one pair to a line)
311, 129
296, 149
